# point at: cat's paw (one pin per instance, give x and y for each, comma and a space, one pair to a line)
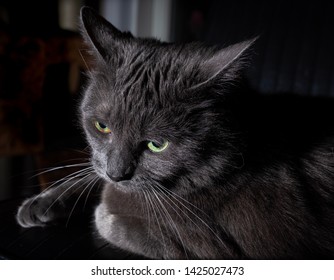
104, 222
35, 212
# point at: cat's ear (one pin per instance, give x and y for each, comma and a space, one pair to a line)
105, 38
224, 65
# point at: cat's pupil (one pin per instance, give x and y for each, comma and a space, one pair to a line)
155, 144
103, 126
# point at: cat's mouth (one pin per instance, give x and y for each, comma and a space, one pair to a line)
125, 181
124, 184
129, 185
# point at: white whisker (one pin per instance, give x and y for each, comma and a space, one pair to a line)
52, 169
146, 209
64, 192
91, 183
155, 209
191, 212
62, 182
71, 176
95, 180
170, 219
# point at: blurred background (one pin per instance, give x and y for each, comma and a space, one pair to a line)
42, 65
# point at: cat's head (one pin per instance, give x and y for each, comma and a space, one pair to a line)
152, 111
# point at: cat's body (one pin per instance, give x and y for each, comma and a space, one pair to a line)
194, 167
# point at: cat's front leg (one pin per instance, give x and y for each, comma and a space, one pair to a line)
132, 234
51, 206
40, 210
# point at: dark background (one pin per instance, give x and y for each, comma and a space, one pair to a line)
293, 54
41, 78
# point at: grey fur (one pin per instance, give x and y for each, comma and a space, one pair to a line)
228, 185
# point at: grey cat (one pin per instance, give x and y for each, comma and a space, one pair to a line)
194, 168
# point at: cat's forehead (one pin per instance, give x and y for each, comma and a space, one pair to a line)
137, 105
142, 89
143, 77
149, 66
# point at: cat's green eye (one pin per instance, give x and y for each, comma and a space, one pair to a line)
102, 127
156, 147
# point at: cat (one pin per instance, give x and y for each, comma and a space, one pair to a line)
194, 166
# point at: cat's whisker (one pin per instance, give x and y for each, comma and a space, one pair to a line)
52, 169
152, 217
67, 190
181, 199
85, 151
146, 209
196, 221
67, 179
182, 209
56, 182
74, 175
157, 213
189, 211
90, 184
61, 182
96, 180
170, 219
71, 177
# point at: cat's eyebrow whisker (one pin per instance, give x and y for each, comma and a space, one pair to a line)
84, 60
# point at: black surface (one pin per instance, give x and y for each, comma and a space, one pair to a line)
77, 240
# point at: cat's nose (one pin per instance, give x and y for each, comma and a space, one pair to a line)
120, 176
117, 178
120, 165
